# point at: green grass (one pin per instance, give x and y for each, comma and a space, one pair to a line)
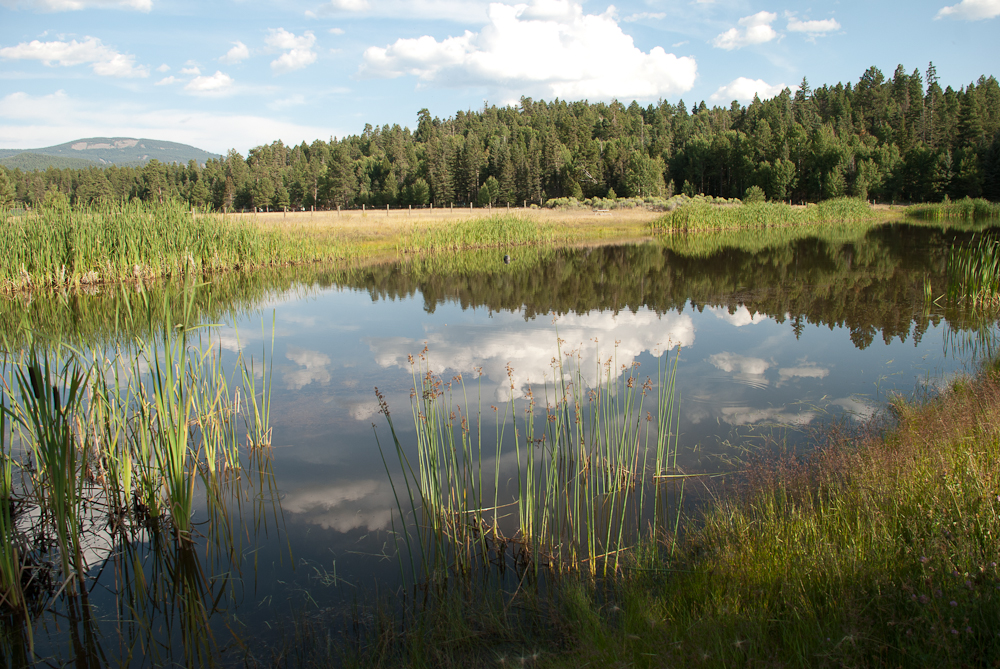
130, 242
967, 209
974, 273
694, 216
501, 231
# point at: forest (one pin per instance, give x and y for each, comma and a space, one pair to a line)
898, 139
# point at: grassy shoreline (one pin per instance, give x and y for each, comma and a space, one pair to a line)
129, 243
135, 242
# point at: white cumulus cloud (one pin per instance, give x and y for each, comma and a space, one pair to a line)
819, 27
805, 371
469, 11
71, 5
298, 49
102, 59
237, 54
549, 46
166, 81
347, 5
971, 10
756, 29
216, 84
589, 341
743, 89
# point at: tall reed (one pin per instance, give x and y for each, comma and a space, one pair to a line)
974, 273
130, 241
967, 208
696, 216
102, 454
499, 231
591, 469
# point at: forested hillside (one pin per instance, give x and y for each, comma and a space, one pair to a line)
902, 138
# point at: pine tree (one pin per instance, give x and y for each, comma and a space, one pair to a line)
970, 126
7, 190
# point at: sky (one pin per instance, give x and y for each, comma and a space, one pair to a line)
234, 74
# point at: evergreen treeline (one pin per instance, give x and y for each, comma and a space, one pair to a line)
899, 138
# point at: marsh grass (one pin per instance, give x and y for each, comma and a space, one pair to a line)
501, 231
591, 470
128, 242
967, 209
875, 551
697, 216
103, 454
974, 273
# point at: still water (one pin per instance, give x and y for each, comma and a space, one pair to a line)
775, 338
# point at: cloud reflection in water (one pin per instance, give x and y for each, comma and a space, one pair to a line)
531, 348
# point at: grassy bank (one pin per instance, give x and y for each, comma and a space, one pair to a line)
696, 215
881, 551
64, 248
60, 247
966, 209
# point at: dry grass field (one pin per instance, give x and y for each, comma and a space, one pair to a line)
381, 228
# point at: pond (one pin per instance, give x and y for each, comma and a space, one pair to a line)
775, 336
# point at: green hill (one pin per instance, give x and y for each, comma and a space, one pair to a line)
112, 151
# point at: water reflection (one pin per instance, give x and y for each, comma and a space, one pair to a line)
528, 347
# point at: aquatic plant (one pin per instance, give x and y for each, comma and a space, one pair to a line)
695, 216
967, 209
974, 273
498, 231
591, 470
134, 241
102, 453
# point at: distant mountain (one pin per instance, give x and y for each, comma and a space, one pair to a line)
104, 151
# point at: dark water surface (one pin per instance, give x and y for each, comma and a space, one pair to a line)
776, 336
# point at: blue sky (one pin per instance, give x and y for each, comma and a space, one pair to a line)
239, 73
